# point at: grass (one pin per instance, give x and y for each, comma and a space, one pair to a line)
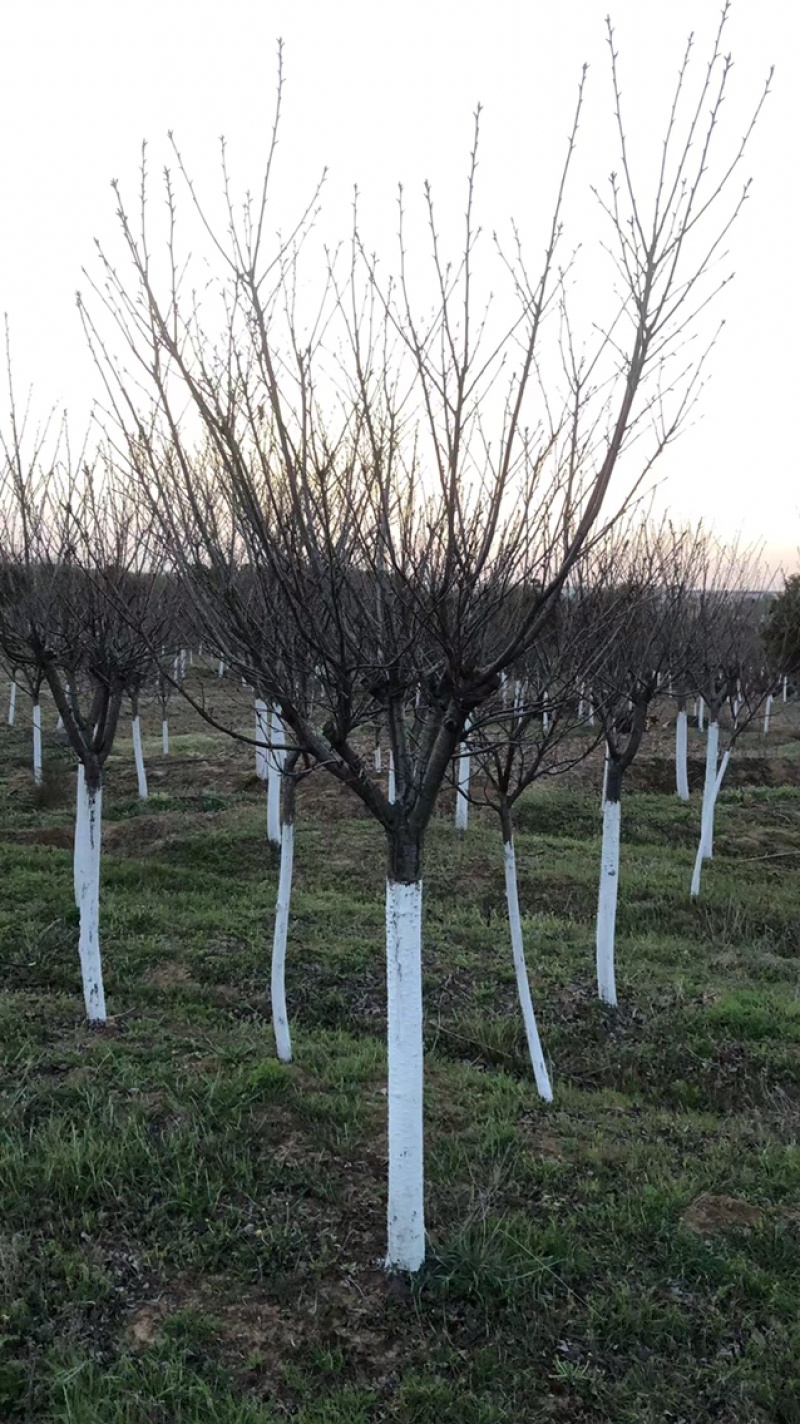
191, 1231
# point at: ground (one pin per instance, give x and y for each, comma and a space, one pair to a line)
191, 1231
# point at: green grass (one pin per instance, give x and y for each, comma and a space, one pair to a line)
190, 1231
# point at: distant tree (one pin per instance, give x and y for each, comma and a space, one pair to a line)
782, 629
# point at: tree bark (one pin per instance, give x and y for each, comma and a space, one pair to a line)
87, 873
406, 1204
609, 885
681, 753
535, 1052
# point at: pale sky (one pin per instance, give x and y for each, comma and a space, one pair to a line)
381, 93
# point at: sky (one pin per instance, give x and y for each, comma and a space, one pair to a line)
384, 93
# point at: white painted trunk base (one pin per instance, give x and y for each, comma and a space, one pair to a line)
390, 785
378, 760
406, 1208
607, 902
221, 668
707, 820
767, 712
681, 755
138, 757
783, 689
707, 827
605, 782
89, 822
538, 1064
462, 791
700, 714
37, 743
165, 737
12, 703
80, 807
280, 1018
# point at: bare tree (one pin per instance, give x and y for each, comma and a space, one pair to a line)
728, 665
637, 587
70, 562
347, 451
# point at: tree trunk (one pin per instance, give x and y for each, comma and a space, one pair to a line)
37, 743
390, 784
280, 1018
681, 753
138, 756
609, 885
262, 737
80, 807
274, 767
12, 703
462, 788
520, 968
406, 1204
165, 737
706, 831
767, 711
707, 814
89, 822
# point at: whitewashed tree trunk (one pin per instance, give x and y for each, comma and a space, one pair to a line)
707, 827
700, 712
538, 1064
581, 702
37, 743
280, 1018
390, 788
165, 737
378, 759
12, 703
607, 902
707, 820
60, 723
262, 736
784, 686
591, 714
89, 822
545, 713
406, 1207
462, 787
221, 668
138, 756
275, 761
80, 808
681, 755
767, 712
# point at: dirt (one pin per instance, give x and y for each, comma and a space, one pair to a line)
710, 1215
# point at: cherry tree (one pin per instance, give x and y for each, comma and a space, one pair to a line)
346, 448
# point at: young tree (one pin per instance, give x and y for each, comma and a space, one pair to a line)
349, 454
635, 591
541, 735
